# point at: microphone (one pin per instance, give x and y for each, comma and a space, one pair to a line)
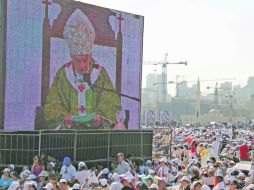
101, 89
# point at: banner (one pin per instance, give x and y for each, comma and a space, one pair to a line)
150, 117
165, 117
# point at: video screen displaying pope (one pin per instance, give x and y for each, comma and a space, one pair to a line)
81, 94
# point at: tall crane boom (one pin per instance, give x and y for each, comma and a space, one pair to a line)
164, 75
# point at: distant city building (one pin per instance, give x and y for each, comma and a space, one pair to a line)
243, 94
154, 88
252, 99
185, 91
251, 107
183, 105
250, 83
153, 78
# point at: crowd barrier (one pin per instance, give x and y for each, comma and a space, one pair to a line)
81, 145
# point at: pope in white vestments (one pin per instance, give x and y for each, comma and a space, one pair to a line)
82, 91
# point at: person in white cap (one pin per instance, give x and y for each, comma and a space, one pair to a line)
177, 179
103, 172
48, 186
148, 167
115, 177
231, 164
207, 177
154, 187
156, 165
31, 177
184, 183
86, 82
197, 185
103, 184
138, 185
247, 182
94, 183
5, 180
219, 182
115, 186
30, 182
241, 177
116, 183
76, 186
126, 182
153, 174
226, 150
206, 187
172, 174
30, 185
230, 179
15, 181
163, 169
63, 184
24, 176
42, 180
250, 187
149, 180
162, 184
11, 167
82, 173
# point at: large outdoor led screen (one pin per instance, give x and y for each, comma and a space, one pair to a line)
71, 65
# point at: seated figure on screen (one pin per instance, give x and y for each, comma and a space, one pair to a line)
82, 93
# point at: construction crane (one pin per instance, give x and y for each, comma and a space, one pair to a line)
164, 74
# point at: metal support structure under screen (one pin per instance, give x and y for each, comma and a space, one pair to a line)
88, 145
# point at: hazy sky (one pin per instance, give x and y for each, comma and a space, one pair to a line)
216, 37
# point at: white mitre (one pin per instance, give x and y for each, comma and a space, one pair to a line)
79, 33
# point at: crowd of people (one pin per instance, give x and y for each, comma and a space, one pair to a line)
191, 158
206, 141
